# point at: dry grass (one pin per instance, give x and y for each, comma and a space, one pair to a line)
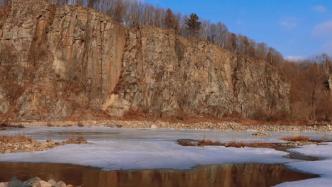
180, 117
187, 142
19, 143
15, 139
292, 142
205, 142
7, 125
252, 144
296, 138
26, 139
192, 119
76, 140
84, 114
80, 124
302, 139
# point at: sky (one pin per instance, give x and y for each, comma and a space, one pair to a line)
297, 28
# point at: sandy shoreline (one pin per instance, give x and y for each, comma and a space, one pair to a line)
222, 125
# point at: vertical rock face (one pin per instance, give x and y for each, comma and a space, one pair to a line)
58, 62
86, 49
62, 60
166, 74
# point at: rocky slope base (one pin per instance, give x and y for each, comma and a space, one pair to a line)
60, 63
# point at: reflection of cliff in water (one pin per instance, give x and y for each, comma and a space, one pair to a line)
224, 175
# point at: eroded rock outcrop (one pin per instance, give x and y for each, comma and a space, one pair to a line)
4, 104
166, 74
57, 62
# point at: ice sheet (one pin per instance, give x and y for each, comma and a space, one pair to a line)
322, 167
153, 151
115, 149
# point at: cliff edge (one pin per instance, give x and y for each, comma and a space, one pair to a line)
70, 62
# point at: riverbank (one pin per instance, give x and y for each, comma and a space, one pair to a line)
234, 125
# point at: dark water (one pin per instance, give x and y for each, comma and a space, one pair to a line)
257, 175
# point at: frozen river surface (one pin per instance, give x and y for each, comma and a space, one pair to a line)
122, 149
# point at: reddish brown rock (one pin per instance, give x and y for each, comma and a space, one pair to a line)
65, 62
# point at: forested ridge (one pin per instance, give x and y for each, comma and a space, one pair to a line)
133, 13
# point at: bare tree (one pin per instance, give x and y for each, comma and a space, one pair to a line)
171, 21
232, 42
91, 3
119, 10
261, 50
132, 13
4, 2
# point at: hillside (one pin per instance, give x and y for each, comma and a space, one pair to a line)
65, 62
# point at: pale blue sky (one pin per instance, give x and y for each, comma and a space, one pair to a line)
297, 28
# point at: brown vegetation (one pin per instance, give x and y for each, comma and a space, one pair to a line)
296, 138
252, 145
310, 92
292, 142
7, 125
20, 143
302, 139
206, 142
171, 22
183, 118
137, 13
15, 139
76, 140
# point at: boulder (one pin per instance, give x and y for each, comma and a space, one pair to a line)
4, 184
60, 184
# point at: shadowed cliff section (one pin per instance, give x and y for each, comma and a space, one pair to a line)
73, 63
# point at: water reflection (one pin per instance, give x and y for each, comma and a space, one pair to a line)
209, 176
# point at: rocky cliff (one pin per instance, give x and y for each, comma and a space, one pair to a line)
66, 62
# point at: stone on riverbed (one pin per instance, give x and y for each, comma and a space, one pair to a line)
3, 184
33, 182
154, 126
60, 184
